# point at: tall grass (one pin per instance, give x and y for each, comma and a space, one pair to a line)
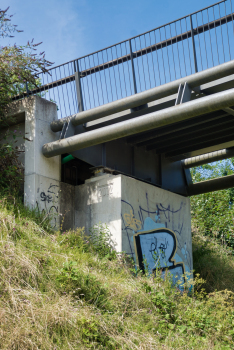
63, 290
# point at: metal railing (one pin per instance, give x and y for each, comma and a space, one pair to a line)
190, 44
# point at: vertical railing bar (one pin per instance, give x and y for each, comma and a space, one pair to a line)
100, 79
43, 84
91, 78
27, 90
139, 77
152, 59
210, 38
65, 109
167, 52
193, 44
105, 77
117, 95
121, 94
82, 87
53, 88
72, 88
227, 31
40, 92
87, 84
173, 55
58, 93
147, 62
84, 83
178, 51
204, 39
221, 33
188, 47
133, 69
216, 36
199, 43
130, 80
67, 92
79, 88
47, 80
142, 61
95, 76
109, 74
156, 54
123, 70
47, 83
232, 17
162, 56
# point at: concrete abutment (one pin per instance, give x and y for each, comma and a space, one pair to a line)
144, 220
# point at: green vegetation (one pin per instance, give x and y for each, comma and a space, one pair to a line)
11, 178
213, 213
18, 65
63, 290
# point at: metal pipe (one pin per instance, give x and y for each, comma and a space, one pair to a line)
140, 124
144, 97
208, 158
221, 183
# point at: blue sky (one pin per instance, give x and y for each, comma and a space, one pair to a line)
73, 28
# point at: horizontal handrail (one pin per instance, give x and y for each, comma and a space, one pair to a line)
160, 45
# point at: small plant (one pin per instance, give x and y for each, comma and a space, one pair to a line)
102, 242
81, 285
11, 170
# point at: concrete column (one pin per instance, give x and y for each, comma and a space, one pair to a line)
42, 187
41, 175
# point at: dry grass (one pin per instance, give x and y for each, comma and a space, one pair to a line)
96, 303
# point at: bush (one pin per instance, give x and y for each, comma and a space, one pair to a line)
11, 170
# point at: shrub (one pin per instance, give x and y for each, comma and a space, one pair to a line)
11, 170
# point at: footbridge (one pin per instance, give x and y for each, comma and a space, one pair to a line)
111, 137
150, 107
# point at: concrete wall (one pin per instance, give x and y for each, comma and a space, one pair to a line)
143, 219
130, 207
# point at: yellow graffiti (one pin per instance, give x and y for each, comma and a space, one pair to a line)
132, 222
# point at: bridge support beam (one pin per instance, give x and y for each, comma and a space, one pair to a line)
153, 120
221, 183
208, 158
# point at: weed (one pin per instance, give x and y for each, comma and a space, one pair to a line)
71, 291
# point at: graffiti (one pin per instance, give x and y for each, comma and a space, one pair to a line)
105, 190
154, 247
158, 247
132, 222
48, 203
156, 224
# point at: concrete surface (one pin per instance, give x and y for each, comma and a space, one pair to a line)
130, 207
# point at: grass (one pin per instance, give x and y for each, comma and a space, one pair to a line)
63, 291
214, 262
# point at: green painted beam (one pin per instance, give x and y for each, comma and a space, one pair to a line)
67, 159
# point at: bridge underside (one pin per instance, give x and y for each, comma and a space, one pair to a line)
155, 155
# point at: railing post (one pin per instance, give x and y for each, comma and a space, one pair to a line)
27, 88
78, 87
193, 43
133, 70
